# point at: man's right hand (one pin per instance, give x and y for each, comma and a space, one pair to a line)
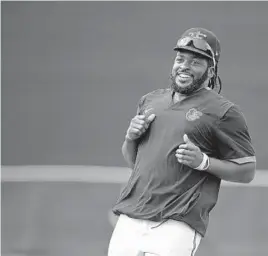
138, 125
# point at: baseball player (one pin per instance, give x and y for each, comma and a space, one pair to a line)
183, 141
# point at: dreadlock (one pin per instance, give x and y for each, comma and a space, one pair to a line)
213, 81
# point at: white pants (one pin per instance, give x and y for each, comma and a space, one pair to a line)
133, 237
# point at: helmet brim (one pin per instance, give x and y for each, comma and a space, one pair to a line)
191, 49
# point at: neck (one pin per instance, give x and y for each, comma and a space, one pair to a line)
179, 97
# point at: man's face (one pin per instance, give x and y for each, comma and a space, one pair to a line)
189, 72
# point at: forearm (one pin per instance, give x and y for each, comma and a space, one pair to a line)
129, 151
231, 171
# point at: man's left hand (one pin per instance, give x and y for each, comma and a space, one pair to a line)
189, 154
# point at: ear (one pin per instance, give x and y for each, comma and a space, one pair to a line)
211, 72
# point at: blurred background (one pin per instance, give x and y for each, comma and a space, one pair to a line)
72, 74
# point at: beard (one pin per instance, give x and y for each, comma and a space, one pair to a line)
191, 88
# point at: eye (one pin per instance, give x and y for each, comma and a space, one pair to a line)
196, 62
179, 60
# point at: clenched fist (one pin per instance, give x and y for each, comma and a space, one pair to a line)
138, 125
189, 154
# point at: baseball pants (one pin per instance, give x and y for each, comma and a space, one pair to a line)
134, 237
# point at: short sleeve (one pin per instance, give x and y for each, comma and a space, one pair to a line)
232, 138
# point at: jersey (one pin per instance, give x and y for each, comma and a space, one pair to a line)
160, 187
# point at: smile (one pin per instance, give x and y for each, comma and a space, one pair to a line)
184, 75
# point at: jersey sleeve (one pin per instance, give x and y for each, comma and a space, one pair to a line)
233, 139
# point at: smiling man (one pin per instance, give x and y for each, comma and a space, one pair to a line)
182, 142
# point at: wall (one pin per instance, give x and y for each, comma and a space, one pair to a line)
73, 72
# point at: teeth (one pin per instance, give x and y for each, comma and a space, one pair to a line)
184, 76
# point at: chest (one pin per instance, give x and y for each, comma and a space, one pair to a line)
173, 121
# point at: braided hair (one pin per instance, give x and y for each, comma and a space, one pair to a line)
215, 81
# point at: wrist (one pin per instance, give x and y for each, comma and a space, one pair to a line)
128, 139
204, 165
207, 164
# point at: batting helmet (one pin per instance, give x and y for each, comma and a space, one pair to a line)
201, 41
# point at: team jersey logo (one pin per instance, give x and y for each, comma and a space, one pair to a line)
197, 35
193, 114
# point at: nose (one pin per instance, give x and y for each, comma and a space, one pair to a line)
184, 65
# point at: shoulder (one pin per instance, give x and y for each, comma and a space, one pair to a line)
158, 93
152, 97
220, 104
228, 112
234, 115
